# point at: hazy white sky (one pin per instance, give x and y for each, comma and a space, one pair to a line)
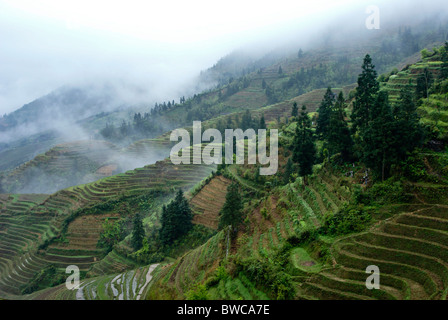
174, 21
45, 44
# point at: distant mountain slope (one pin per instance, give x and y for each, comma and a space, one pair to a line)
81, 162
63, 166
61, 116
66, 103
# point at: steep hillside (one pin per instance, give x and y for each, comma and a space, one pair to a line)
315, 238
405, 241
63, 229
432, 109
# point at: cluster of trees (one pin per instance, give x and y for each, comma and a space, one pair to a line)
233, 87
244, 122
2, 190
408, 43
113, 232
380, 134
424, 82
177, 216
149, 244
304, 147
147, 124
176, 220
332, 126
384, 133
307, 79
320, 76
396, 47
138, 232
141, 127
160, 108
150, 124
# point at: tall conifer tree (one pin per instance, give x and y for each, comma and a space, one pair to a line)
138, 232
339, 138
231, 212
323, 122
365, 96
304, 148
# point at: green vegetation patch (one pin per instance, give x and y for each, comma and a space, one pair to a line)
303, 261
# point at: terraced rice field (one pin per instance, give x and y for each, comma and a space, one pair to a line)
112, 263
79, 247
268, 231
146, 150
209, 201
409, 78
82, 162
410, 251
191, 268
21, 231
131, 285
311, 100
235, 289
434, 113
163, 175
26, 221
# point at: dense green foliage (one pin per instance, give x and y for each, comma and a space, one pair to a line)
138, 233
271, 275
385, 133
113, 233
444, 58
323, 122
304, 148
338, 137
348, 220
366, 91
176, 219
47, 277
295, 110
424, 82
289, 170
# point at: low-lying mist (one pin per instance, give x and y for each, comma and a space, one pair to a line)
80, 75
78, 163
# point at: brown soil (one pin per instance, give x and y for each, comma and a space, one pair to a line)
209, 201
